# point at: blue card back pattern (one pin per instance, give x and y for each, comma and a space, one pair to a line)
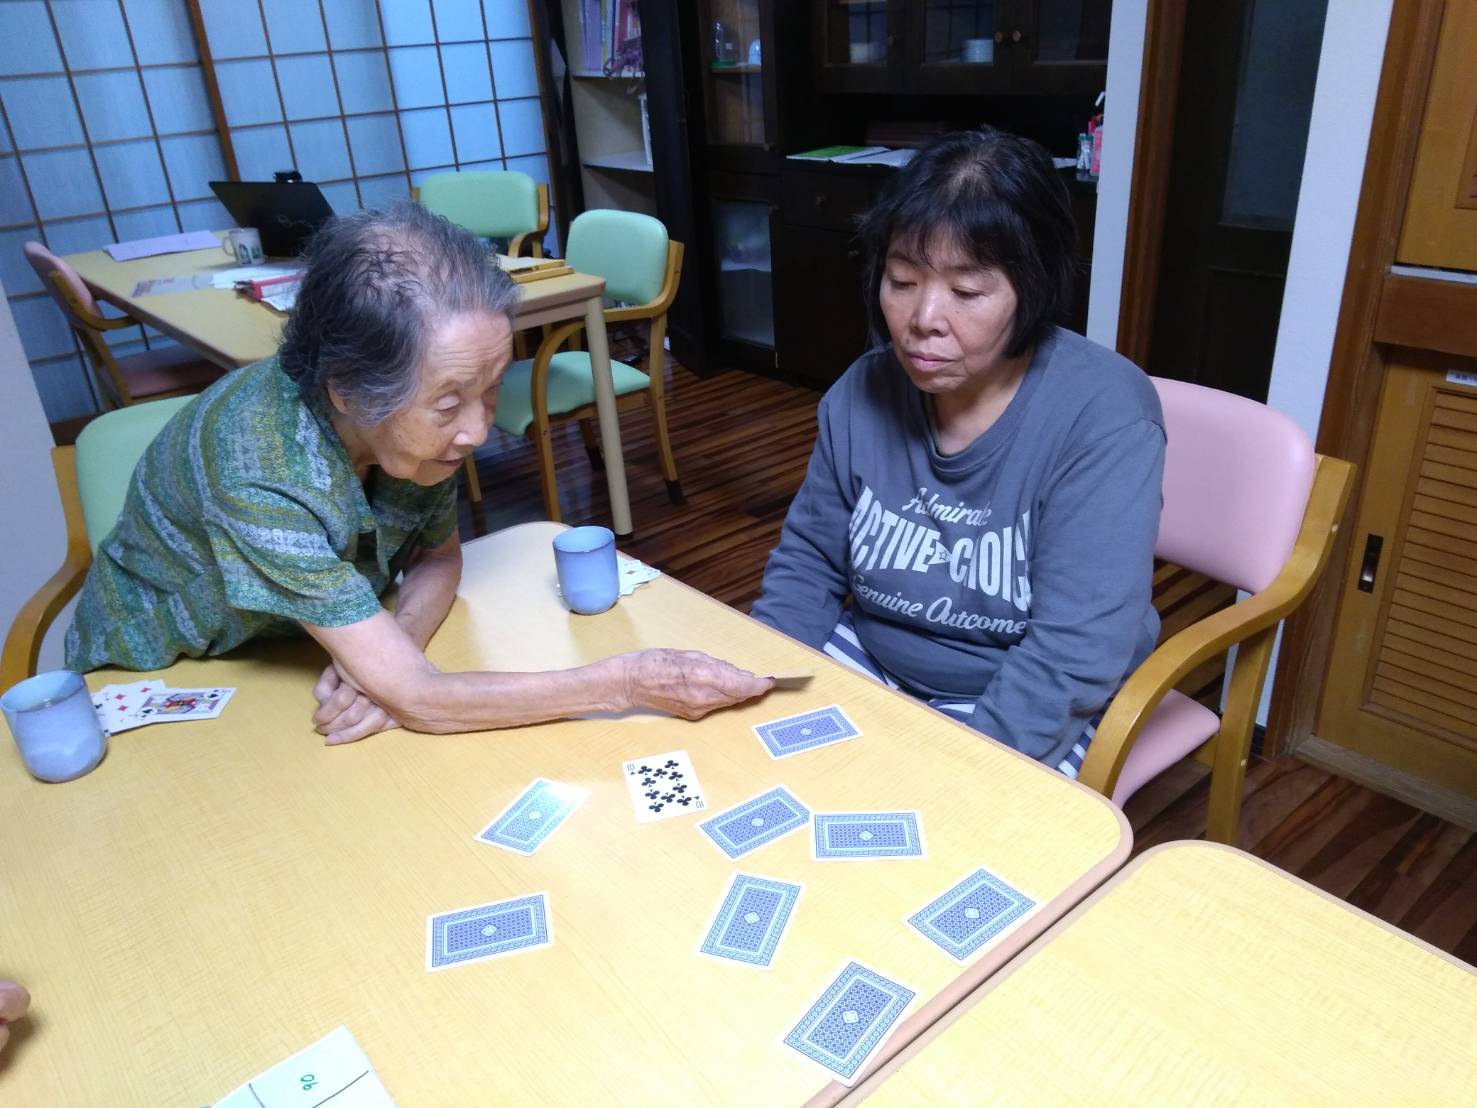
751, 920
794, 734
755, 822
487, 931
971, 914
523, 826
848, 1023
841, 835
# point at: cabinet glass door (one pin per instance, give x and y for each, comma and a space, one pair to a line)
959, 32
733, 73
1071, 31
745, 296
856, 32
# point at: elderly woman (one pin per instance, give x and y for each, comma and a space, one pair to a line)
985, 488
288, 496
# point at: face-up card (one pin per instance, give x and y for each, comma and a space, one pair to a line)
807, 731
524, 824
632, 574
488, 931
750, 920
844, 1028
662, 786
851, 835
969, 915
178, 705
755, 822
117, 705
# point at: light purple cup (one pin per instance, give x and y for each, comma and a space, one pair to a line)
588, 577
55, 726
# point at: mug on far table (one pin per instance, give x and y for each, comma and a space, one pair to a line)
244, 244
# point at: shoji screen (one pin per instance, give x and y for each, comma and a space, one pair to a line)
367, 98
105, 134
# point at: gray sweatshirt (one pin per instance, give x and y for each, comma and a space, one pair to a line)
1015, 573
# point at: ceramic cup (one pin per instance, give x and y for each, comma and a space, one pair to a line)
585, 560
863, 53
977, 51
55, 726
244, 244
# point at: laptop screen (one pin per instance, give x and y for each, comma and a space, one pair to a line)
284, 212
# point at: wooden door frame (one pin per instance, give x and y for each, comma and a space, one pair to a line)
1351, 394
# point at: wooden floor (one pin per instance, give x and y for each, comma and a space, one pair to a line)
742, 443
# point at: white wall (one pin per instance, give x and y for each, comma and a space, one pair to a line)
35, 532
1333, 168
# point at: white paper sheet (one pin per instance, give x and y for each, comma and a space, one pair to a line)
335, 1066
227, 278
164, 244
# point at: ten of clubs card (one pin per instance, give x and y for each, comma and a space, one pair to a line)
662, 786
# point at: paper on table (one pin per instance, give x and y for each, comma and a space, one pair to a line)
154, 286
885, 157
283, 301
228, 278
164, 244
335, 1066
507, 261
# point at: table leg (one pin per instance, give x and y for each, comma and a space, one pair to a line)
610, 428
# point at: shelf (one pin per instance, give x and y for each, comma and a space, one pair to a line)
633, 161
602, 77
746, 67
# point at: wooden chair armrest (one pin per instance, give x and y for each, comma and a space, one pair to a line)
538, 379
515, 244
28, 630
1219, 631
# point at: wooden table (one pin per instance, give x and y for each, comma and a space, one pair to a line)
1200, 975
217, 895
233, 331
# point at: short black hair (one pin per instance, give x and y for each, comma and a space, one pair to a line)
377, 284
1001, 199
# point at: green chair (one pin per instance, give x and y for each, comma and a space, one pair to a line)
496, 204
641, 267
92, 478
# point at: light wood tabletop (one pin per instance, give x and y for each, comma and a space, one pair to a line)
217, 895
233, 331
1201, 975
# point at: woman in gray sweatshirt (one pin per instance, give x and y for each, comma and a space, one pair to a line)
985, 488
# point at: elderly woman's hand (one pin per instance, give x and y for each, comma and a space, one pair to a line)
14, 1001
344, 713
686, 683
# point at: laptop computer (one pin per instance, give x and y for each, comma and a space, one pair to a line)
284, 212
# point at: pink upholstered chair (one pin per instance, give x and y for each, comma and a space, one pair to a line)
149, 375
1246, 502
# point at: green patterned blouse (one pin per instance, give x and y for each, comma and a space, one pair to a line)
244, 518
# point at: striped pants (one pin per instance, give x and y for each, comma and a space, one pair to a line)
846, 648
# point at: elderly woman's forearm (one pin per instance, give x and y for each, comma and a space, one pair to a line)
446, 703
428, 590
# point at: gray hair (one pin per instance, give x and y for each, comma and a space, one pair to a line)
376, 286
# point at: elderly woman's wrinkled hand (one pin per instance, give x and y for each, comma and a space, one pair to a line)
14, 1000
686, 683
344, 713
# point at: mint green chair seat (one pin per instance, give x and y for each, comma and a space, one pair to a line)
641, 267
92, 479
496, 204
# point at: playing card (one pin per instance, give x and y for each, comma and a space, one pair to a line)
488, 931
844, 1028
791, 680
662, 786
524, 824
633, 574
755, 822
178, 705
117, 705
976, 910
750, 920
335, 1068
850, 835
806, 731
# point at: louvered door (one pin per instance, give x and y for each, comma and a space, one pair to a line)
1402, 683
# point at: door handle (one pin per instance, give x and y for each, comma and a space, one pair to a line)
1369, 568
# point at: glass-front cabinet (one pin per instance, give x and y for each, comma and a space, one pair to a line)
963, 46
736, 92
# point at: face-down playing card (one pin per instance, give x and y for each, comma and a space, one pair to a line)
751, 919
488, 931
662, 786
845, 1027
524, 824
970, 914
795, 734
755, 822
841, 836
